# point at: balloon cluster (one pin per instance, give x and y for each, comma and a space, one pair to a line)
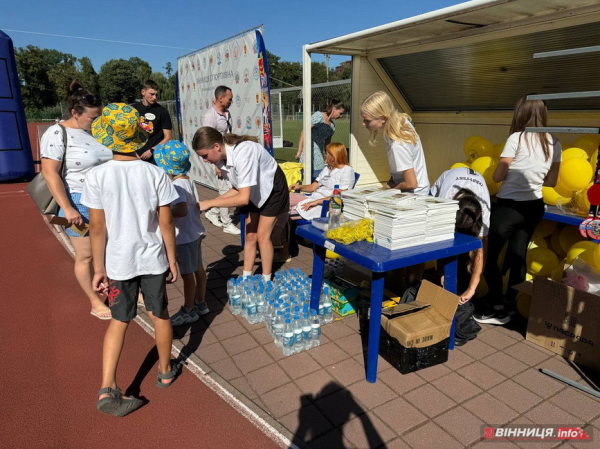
482, 156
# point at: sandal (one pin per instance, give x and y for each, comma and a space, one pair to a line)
116, 404
173, 374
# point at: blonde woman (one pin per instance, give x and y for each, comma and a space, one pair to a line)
408, 171
336, 172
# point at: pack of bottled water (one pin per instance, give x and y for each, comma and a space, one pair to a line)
333, 268
283, 304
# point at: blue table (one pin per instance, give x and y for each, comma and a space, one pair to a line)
380, 260
555, 214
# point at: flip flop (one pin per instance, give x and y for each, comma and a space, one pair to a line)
101, 316
173, 374
116, 404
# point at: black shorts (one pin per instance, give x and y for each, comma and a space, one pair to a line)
123, 296
278, 201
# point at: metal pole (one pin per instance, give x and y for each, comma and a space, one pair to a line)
306, 108
571, 383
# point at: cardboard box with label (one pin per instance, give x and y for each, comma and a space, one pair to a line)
564, 320
424, 322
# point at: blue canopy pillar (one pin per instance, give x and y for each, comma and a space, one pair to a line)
16, 161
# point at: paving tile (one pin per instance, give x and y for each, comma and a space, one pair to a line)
351, 321
338, 407
262, 336
252, 360
538, 383
461, 424
496, 339
347, 371
533, 444
400, 383
226, 369
398, 443
481, 375
228, 330
527, 354
274, 351
431, 436
578, 404
249, 327
317, 384
371, 395
429, 400
400, 416
336, 330
548, 413
515, 396
239, 344
211, 353
433, 372
458, 359
306, 424
504, 364
367, 431
328, 354
352, 344
299, 365
477, 349
331, 440
267, 378
490, 410
283, 400
203, 337
560, 366
456, 387
242, 385
495, 445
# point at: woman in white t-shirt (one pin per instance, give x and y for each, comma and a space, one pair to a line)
259, 188
528, 162
83, 152
336, 172
408, 171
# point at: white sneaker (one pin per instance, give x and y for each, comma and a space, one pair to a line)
215, 221
231, 229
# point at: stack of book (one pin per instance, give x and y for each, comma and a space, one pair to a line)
355, 202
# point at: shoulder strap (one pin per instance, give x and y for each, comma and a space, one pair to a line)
65, 141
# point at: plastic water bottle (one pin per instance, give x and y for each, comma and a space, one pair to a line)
315, 329
278, 329
251, 308
306, 331
327, 312
260, 306
335, 208
245, 295
230, 284
288, 338
298, 340
235, 300
321, 312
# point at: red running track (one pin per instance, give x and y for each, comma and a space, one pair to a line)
51, 347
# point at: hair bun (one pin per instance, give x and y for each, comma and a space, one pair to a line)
74, 87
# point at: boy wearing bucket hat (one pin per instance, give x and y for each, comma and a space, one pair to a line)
133, 246
174, 158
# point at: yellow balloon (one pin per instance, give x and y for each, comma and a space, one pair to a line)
545, 228
483, 147
431, 265
588, 256
568, 237
486, 166
458, 165
563, 191
498, 150
552, 197
541, 261
574, 152
594, 159
597, 255
559, 271
578, 248
537, 242
581, 199
331, 255
574, 174
555, 244
468, 147
523, 304
588, 142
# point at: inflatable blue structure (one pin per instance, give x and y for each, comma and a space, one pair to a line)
16, 161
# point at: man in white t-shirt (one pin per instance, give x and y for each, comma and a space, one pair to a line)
219, 117
133, 246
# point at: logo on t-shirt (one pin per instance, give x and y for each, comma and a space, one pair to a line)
149, 116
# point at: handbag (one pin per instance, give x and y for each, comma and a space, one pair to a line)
38, 187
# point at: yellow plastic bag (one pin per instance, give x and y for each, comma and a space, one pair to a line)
353, 231
292, 172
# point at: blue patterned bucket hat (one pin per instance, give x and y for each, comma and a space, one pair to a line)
118, 128
173, 157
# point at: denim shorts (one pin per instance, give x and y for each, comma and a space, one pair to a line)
75, 199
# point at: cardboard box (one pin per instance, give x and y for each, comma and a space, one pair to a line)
564, 320
344, 308
424, 322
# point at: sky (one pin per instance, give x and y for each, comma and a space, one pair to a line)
172, 28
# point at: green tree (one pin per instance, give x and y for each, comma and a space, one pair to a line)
118, 81
88, 77
142, 70
168, 69
36, 88
166, 86
60, 76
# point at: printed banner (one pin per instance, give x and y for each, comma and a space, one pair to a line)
238, 63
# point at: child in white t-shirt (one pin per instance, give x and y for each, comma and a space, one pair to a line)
133, 245
174, 158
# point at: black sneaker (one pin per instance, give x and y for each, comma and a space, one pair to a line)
491, 317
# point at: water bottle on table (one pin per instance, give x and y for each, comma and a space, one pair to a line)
335, 209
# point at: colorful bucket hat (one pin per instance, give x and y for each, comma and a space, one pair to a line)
173, 157
118, 128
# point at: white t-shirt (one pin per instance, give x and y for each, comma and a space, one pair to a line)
451, 181
189, 228
220, 122
528, 169
327, 179
403, 156
130, 193
250, 165
83, 153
